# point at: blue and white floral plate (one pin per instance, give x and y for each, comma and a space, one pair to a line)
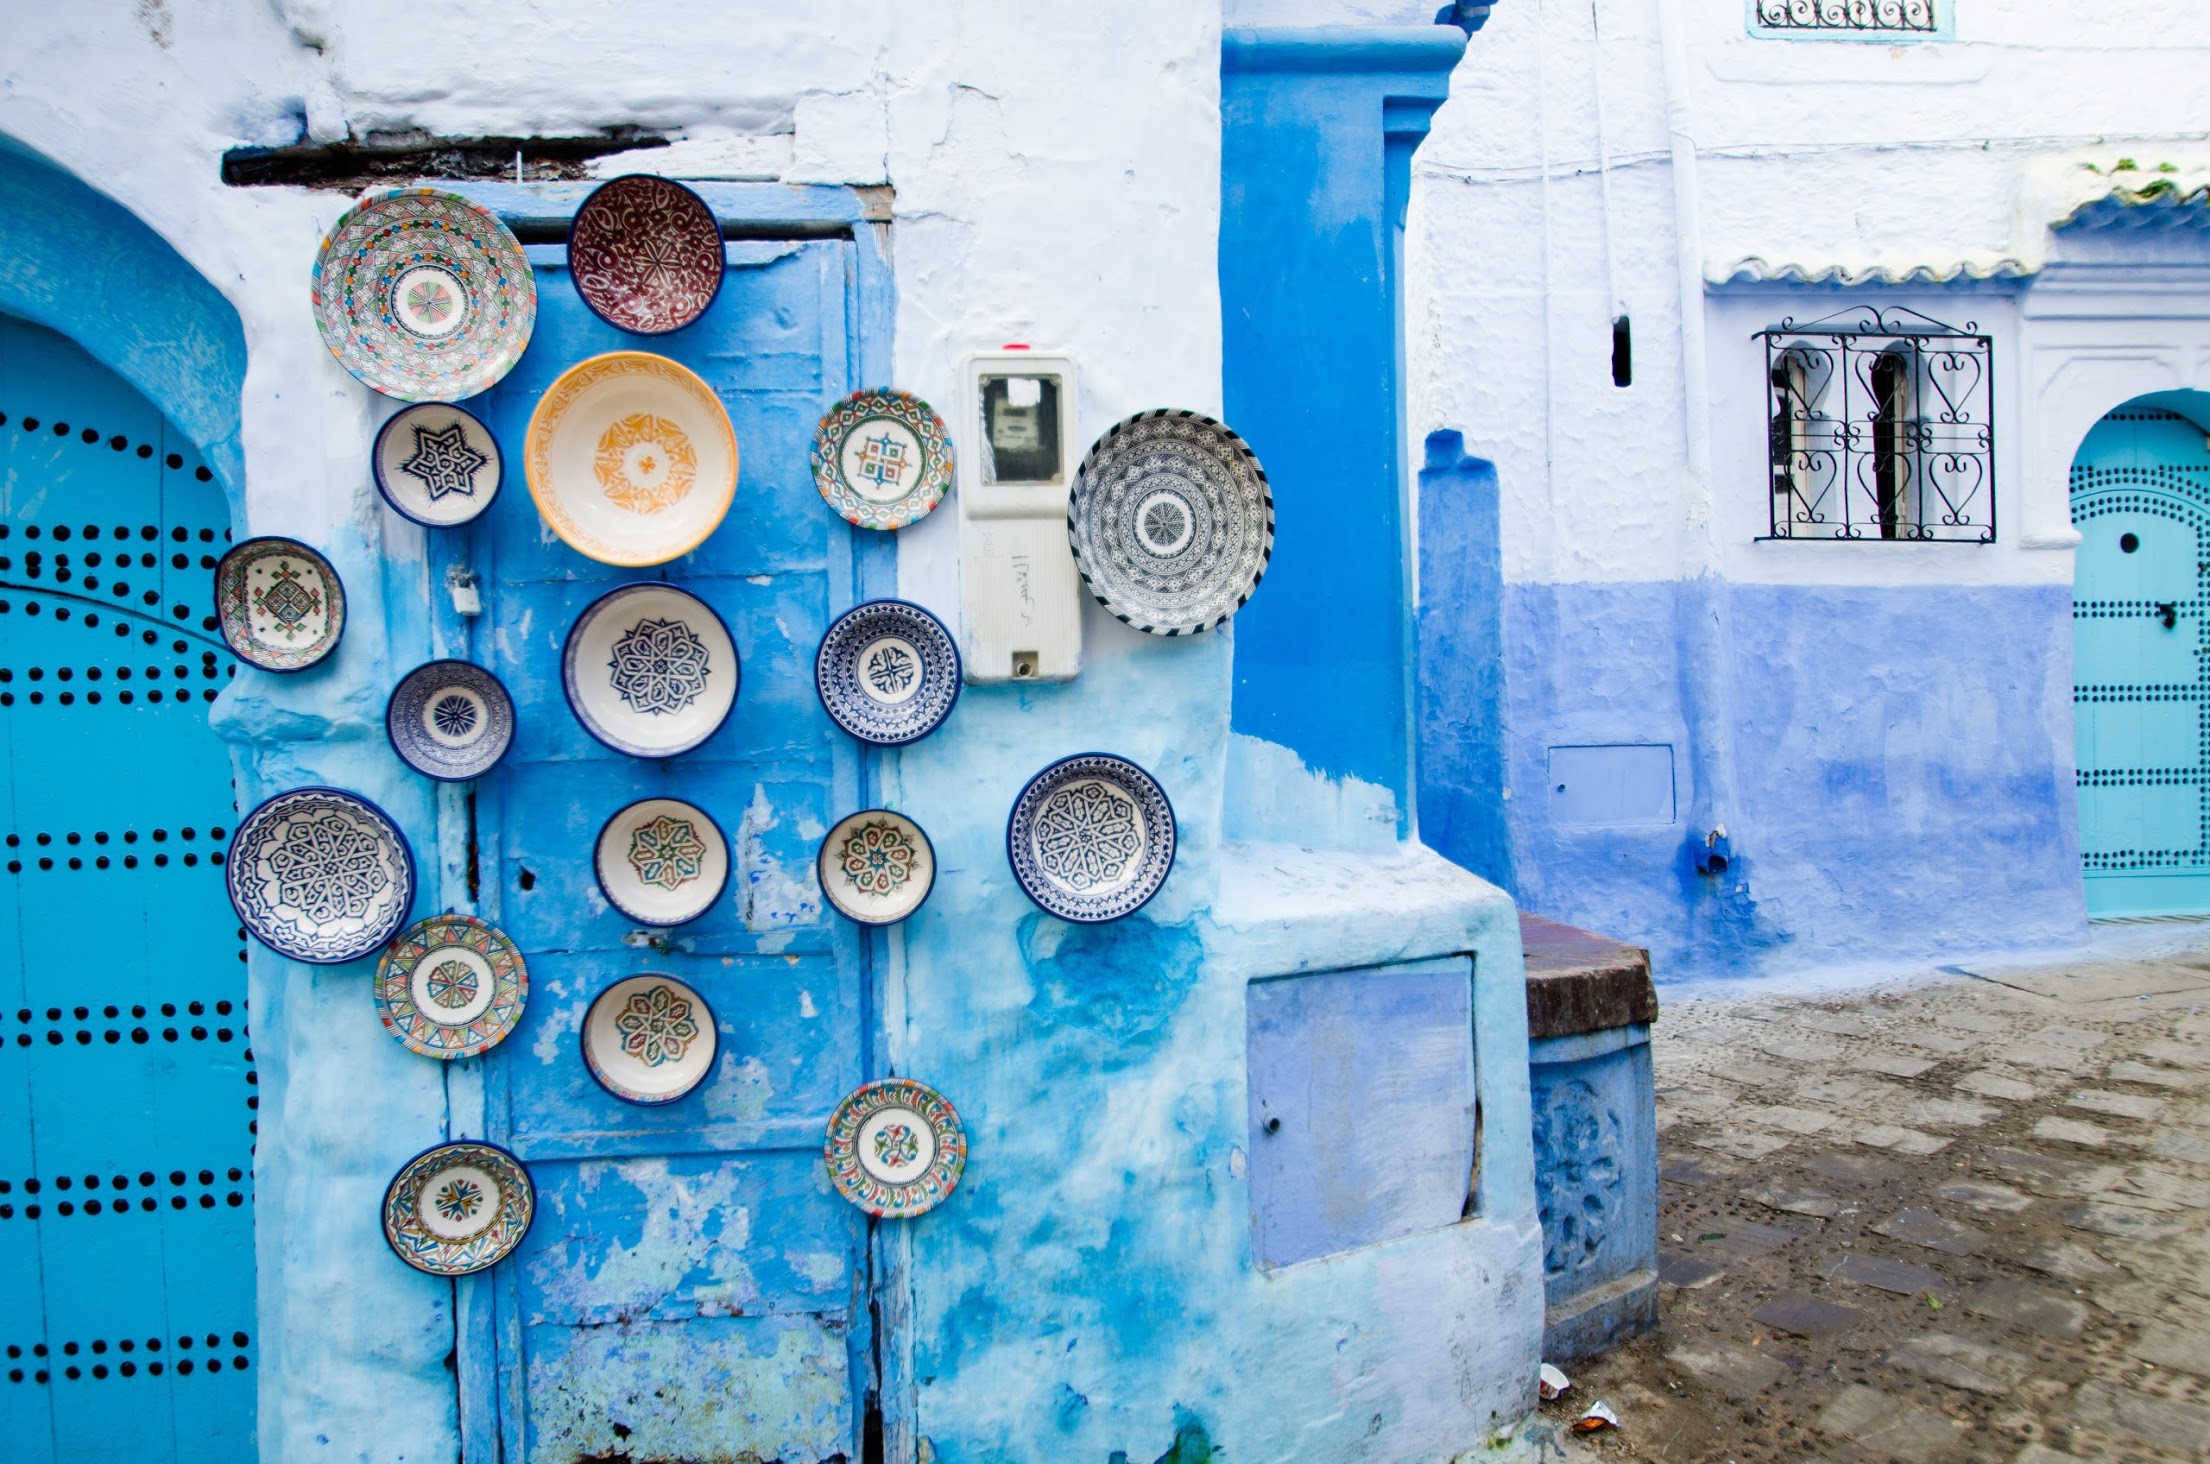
280, 604
649, 1039
450, 720
451, 986
876, 866
662, 861
896, 1148
320, 875
650, 670
1091, 838
459, 1208
888, 672
437, 464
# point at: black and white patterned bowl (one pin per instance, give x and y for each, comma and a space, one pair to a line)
650, 670
450, 720
1091, 838
887, 672
320, 875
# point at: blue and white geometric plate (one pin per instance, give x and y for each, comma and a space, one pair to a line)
888, 672
662, 861
649, 1039
436, 464
320, 875
1091, 838
450, 720
459, 1208
280, 604
876, 866
650, 670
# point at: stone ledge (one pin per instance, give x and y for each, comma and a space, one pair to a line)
1579, 982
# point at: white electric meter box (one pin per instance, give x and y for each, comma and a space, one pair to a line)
1021, 612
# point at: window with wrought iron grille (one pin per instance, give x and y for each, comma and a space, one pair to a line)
1880, 425
1870, 19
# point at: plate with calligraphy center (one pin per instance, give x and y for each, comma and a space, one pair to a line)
649, 1039
896, 1148
451, 986
1091, 838
662, 861
459, 1208
631, 458
280, 604
876, 866
650, 670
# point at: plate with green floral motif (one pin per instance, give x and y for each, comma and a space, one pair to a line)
896, 1148
876, 866
662, 861
459, 1208
882, 459
280, 604
649, 1039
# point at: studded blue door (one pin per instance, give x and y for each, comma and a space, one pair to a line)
2141, 663
692, 1288
126, 1086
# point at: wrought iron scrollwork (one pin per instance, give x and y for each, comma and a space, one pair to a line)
1849, 17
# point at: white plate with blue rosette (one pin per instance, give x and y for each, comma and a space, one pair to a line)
650, 670
450, 720
437, 464
662, 861
1091, 838
649, 1039
320, 875
887, 672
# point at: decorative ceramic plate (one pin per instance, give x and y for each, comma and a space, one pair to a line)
631, 458
281, 605
650, 670
649, 1039
882, 459
887, 672
459, 1208
320, 875
451, 720
646, 254
662, 861
896, 1148
1091, 838
1171, 522
423, 295
451, 986
437, 464
876, 866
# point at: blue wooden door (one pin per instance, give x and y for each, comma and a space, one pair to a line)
2141, 662
693, 1288
127, 1091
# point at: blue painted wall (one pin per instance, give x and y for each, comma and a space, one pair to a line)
1461, 662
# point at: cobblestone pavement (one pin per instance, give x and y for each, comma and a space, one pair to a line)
1952, 1219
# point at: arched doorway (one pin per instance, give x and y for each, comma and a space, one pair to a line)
2141, 663
128, 1097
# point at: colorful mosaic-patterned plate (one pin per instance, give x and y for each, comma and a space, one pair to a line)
459, 1208
423, 295
650, 670
645, 254
451, 986
437, 464
662, 861
631, 458
320, 875
876, 866
280, 604
887, 672
1171, 522
882, 459
896, 1148
1091, 838
450, 720
649, 1039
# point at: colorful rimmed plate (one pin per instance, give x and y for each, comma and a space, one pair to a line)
896, 1148
888, 672
436, 464
451, 986
320, 875
876, 866
459, 1208
649, 1039
650, 670
1171, 522
631, 458
882, 459
1091, 838
662, 861
280, 604
450, 720
646, 254
423, 295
